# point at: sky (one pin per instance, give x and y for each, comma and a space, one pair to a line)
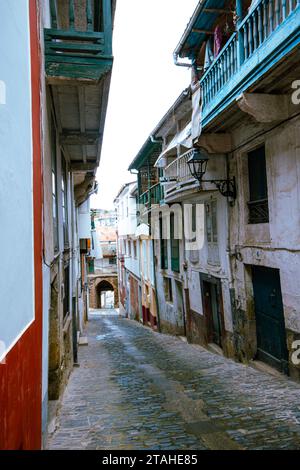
145, 84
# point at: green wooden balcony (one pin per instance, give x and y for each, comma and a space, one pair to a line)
153, 196
78, 62
267, 36
79, 43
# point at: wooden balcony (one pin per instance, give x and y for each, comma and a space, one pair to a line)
178, 177
78, 61
79, 43
153, 196
267, 36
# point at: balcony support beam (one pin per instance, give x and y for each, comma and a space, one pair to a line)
202, 31
215, 143
264, 107
78, 138
217, 10
82, 167
81, 100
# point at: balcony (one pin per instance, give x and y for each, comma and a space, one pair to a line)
78, 62
177, 177
153, 196
79, 43
266, 36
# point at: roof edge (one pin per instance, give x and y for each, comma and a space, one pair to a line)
198, 9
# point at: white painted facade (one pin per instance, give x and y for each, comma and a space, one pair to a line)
16, 203
66, 253
275, 244
84, 220
129, 247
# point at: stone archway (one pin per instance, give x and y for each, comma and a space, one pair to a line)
105, 294
100, 283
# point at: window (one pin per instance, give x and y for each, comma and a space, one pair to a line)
54, 187
66, 301
212, 232
194, 215
134, 249
129, 248
174, 245
168, 289
163, 246
258, 187
91, 266
64, 198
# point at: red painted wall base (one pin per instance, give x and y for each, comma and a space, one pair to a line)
21, 375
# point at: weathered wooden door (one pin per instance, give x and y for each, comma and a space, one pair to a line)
270, 326
180, 306
212, 303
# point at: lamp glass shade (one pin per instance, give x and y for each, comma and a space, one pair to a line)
198, 163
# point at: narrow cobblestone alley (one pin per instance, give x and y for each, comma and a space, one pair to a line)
136, 389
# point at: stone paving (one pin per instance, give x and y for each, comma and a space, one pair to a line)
136, 389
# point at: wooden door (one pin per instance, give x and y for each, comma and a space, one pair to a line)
270, 326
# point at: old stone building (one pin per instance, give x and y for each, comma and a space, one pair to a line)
223, 164
71, 153
249, 114
100, 283
102, 271
55, 135
130, 290
148, 193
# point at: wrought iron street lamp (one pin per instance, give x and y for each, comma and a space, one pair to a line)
197, 164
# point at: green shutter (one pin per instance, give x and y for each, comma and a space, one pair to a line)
175, 265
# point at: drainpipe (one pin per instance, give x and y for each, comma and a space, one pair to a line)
239, 14
155, 287
156, 141
177, 51
180, 64
230, 274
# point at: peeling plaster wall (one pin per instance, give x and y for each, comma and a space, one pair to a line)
274, 245
197, 262
171, 316
93, 283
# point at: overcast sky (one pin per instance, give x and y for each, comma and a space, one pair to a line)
145, 84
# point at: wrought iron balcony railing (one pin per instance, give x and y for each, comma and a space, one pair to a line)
258, 211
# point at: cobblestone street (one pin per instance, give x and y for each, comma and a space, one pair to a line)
136, 389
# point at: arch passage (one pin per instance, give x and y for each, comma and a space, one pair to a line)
105, 295
103, 292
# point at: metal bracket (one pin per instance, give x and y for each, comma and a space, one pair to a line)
226, 187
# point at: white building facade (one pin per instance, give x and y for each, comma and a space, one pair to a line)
129, 252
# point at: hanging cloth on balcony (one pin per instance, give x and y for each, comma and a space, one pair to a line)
142, 231
218, 40
197, 114
209, 55
181, 138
